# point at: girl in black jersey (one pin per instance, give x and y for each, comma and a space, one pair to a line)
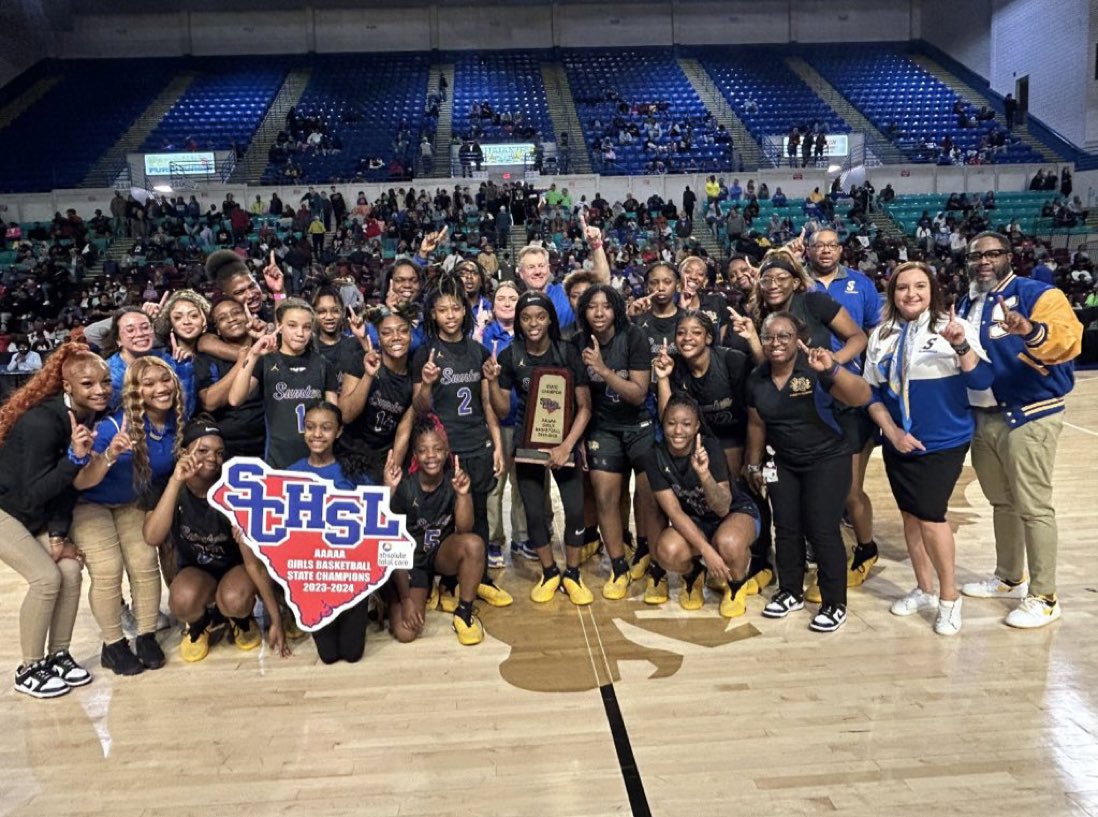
333, 342
620, 436
712, 524
657, 313
693, 297
451, 377
285, 370
437, 504
216, 575
241, 426
538, 345
376, 395
791, 408
716, 377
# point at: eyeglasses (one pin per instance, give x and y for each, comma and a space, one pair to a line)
827, 245
130, 331
774, 280
990, 255
780, 337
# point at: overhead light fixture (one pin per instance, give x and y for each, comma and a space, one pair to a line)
163, 188
834, 168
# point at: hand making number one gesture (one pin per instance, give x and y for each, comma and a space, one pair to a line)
821, 360
954, 331
1012, 322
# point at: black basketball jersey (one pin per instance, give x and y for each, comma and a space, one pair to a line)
429, 515
342, 355
456, 395
715, 307
667, 472
721, 392
289, 385
627, 351
658, 329
241, 426
390, 396
201, 536
517, 367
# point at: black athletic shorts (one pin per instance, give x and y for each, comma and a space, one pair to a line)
618, 450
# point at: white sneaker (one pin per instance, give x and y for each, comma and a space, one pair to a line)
995, 588
39, 681
1033, 612
949, 617
918, 599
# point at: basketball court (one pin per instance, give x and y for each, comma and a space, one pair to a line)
613, 709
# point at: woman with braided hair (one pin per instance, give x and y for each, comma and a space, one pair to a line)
45, 437
135, 449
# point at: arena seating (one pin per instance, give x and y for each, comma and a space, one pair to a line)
1025, 206
646, 76
223, 105
782, 99
889, 89
510, 81
365, 100
55, 142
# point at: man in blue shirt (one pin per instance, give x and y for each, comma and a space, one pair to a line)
537, 275
1045, 269
857, 294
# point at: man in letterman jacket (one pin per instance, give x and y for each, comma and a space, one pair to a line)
1032, 336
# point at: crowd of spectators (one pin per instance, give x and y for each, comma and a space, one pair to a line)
46, 293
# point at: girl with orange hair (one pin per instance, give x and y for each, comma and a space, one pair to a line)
45, 441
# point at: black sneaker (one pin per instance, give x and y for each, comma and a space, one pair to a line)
39, 681
783, 604
148, 651
65, 668
119, 658
830, 618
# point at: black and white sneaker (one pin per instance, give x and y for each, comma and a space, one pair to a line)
65, 668
783, 604
38, 681
830, 618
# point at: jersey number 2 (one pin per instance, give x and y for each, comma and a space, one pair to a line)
465, 407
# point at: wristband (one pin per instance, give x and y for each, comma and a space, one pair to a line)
75, 460
594, 245
834, 370
962, 348
753, 469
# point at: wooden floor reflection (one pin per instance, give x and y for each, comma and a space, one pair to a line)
752, 716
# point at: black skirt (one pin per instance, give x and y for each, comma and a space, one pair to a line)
923, 484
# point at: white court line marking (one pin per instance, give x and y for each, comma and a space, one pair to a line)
602, 649
1080, 428
590, 652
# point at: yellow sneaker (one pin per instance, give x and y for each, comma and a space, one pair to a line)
812, 594
494, 595
191, 651
247, 639
638, 568
656, 592
616, 589
468, 634
545, 589
856, 576
758, 582
447, 598
733, 606
692, 598
432, 600
577, 591
590, 550
713, 582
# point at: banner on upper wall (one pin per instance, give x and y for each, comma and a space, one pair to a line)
181, 164
328, 548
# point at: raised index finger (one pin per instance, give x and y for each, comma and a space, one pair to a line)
272, 258
431, 357
801, 345
72, 421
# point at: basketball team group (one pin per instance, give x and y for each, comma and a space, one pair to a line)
704, 449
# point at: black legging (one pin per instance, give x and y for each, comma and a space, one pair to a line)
808, 501
760, 548
535, 498
345, 637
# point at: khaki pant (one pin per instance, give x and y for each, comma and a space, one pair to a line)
112, 538
496, 533
53, 596
1014, 467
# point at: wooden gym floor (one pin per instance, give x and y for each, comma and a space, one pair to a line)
615, 709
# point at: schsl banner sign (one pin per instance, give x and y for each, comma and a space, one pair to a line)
328, 548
